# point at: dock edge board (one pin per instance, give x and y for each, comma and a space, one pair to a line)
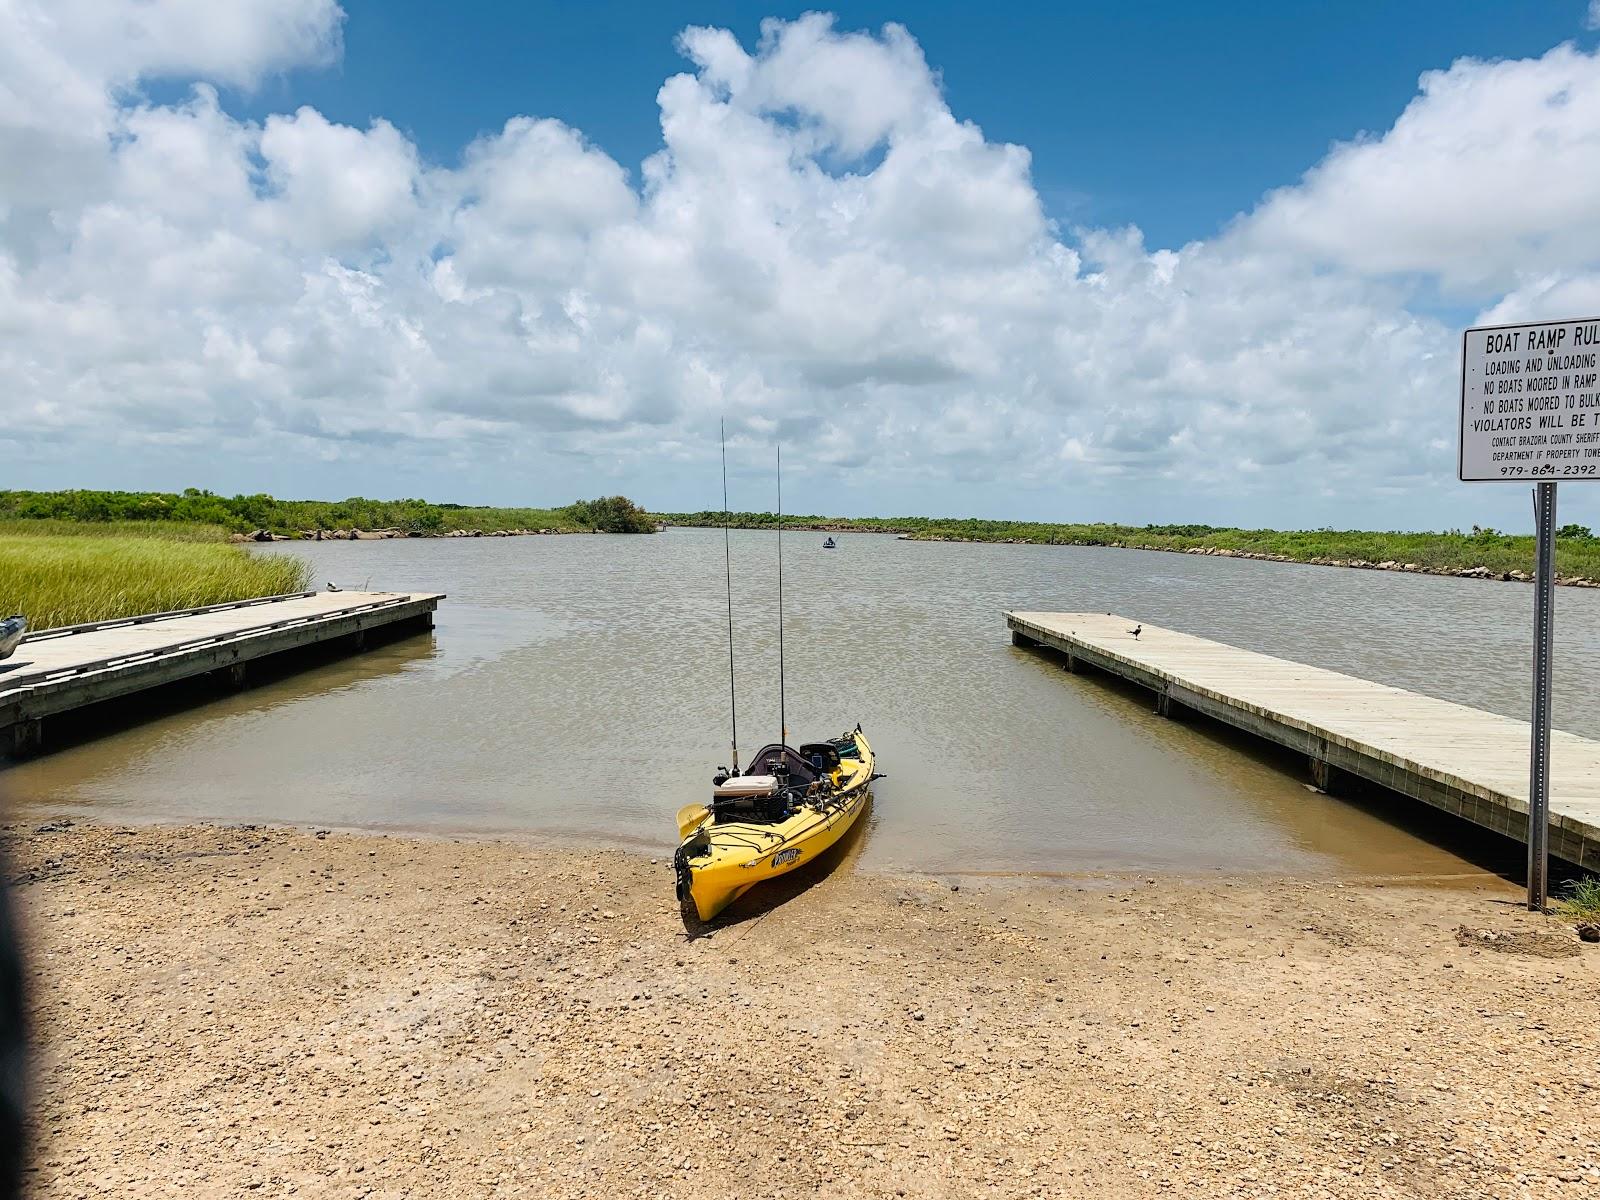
99, 675
1574, 837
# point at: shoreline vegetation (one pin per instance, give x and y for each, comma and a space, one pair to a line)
265, 518
1478, 554
71, 557
66, 573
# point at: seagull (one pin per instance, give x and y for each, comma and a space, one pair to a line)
333, 587
1136, 630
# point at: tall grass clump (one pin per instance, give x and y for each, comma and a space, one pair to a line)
1580, 898
69, 578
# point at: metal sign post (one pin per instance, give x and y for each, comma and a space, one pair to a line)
1544, 615
1530, 410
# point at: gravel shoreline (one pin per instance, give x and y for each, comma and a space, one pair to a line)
264, 1012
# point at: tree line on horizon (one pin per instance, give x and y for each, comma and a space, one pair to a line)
1577, 551
618, 514
1066, 532
244, 513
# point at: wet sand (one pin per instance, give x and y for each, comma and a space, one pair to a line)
262, 1012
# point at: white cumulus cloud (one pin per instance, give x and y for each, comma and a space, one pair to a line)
821, 249
1489, 174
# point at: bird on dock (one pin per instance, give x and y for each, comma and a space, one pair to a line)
1136, 630
334, 587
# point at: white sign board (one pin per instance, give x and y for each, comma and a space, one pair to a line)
1530, 401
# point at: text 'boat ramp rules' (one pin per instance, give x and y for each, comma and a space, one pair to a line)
1530, 401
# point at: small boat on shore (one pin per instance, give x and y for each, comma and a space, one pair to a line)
11, 631
787, 809
829, 544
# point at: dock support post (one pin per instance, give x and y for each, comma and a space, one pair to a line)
238, 676
1018, 638
1072, 665
358, 640
27, 736
1321, 774
1163, 703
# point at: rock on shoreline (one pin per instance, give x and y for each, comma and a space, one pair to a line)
1386, 565
1262, 556
380, 535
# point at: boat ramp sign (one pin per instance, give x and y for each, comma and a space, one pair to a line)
1530, 410
1530, 401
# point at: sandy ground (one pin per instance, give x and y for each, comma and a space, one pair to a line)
227, 1012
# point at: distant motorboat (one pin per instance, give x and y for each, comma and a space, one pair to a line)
830, 544
11, 631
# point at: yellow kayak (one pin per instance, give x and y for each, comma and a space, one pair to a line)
789, 806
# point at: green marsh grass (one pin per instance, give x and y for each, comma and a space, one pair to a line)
490, 519
170, 531
1580, 898
57, 576
241, 514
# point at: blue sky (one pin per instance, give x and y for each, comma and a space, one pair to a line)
1115, 100
1138, 262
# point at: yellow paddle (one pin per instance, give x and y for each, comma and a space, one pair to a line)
689, 818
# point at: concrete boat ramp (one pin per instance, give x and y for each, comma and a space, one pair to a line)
1462, 760
58, 670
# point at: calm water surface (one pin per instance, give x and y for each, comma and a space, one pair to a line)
576, 687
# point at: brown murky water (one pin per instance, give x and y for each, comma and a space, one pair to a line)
576, 687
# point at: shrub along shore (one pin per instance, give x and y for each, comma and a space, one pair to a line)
1478, 554
258, 514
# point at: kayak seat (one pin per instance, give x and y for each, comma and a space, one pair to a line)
801, 771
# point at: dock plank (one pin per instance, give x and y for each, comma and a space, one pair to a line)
1463, 760
55, 671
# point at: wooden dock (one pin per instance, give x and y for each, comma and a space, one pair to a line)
58, 670
1470, 763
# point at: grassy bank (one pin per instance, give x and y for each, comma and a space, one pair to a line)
171, 531
242, 514
67, 573
1580, 899
1577, 555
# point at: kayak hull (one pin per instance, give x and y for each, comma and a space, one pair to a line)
734, 857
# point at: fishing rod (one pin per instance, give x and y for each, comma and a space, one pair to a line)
783, 721
727, 563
